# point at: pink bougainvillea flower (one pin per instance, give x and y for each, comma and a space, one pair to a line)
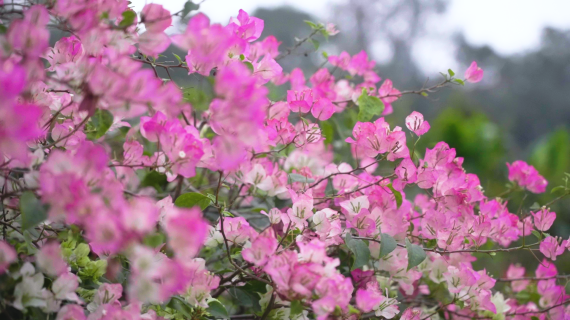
551, 247
473, 73
543, 219
155, 18
527, 176
416, 123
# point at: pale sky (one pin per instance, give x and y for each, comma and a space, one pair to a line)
509, 26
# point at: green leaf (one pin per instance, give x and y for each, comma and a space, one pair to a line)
327, 129
535, 206
369, 106
533, 318
397, 195
451, 73
128, 18
295, 177
424, 94
100, 122
387, 245
192, 199
181, 306
246, 297
557, 189
82, 250
154, 240
33, 212
154, 179
217, 309
416, 254
311, 24
315, 43
461, 82
325, 55
537, 235
199, 99
177, 58
189, 6
296, 309
3, 29
249, 65
31, 249
360, 251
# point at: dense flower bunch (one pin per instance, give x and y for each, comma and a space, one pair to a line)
121, 200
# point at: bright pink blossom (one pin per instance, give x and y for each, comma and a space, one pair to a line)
551, 247
155, 18
246, 27
473, 73
415, 122
543, 219
514, 272
186, 231
527, 176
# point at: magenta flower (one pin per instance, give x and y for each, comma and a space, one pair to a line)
543, 219
415, 123
527, 176
473, 73
551, 247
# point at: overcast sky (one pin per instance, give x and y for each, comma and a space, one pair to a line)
509, 26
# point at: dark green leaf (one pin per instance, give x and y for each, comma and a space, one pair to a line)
397, 195
387, 245
360, 251
296, 309
128, 18
295, 177
154, 179
246, 298
217, 309
181, 306
369, 106
533, 318
416, 254
33, 212
255, 286
189, 6
100, 122
192, 199
3, 29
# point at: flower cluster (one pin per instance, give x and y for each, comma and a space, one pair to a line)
123, 198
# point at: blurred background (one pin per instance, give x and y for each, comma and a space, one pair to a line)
520, 110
